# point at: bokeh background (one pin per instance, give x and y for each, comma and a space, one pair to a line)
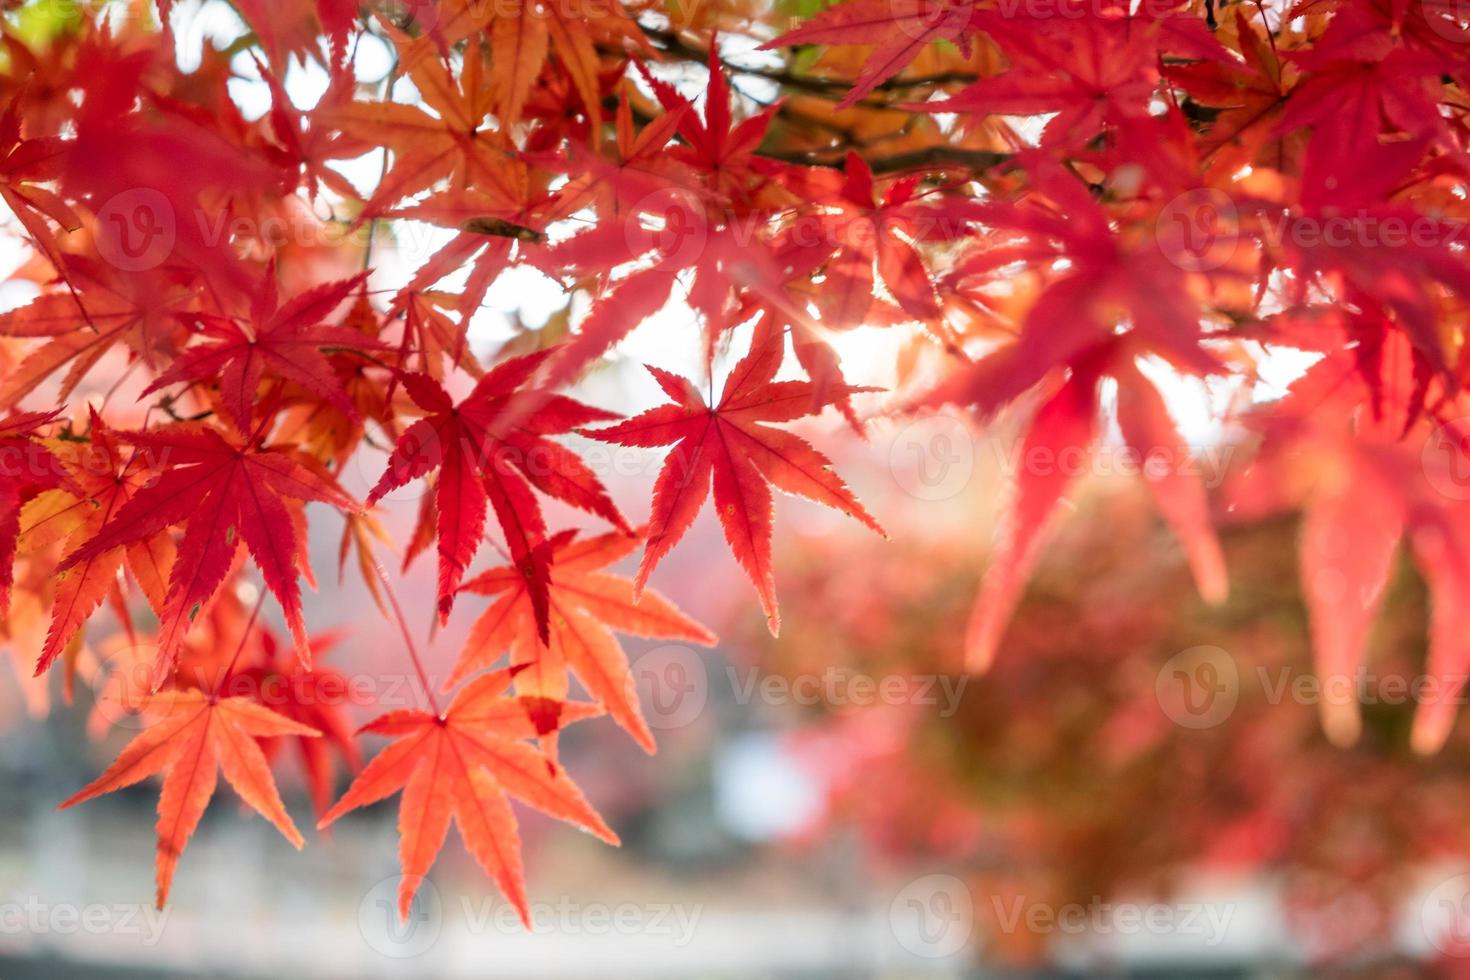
1139, 787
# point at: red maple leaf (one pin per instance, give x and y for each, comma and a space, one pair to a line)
225, 493
1250, 97
26, 165
872, 228
100, 308
704, 227
285, 339
522, 33
1063, 429
106, 477
1094, 70
452, 143
897, 29
732, 445
1341, 446
489, 450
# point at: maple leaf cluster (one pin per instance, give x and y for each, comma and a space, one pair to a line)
1052, 205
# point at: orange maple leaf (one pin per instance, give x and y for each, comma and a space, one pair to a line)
460, 765
197, 736
587, 605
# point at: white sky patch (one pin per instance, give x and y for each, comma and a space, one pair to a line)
761, 792
1278, 369
1197, 405
372, 59
192, 24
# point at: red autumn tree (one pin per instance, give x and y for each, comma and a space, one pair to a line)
1061, 208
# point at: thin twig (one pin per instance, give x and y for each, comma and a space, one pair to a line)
413, 650
240, 648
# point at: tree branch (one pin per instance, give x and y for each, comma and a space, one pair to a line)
932, 157
670, 42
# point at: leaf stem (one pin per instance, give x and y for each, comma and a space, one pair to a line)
413, 650
240, 648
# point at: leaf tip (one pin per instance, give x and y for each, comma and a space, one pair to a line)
1341, 722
